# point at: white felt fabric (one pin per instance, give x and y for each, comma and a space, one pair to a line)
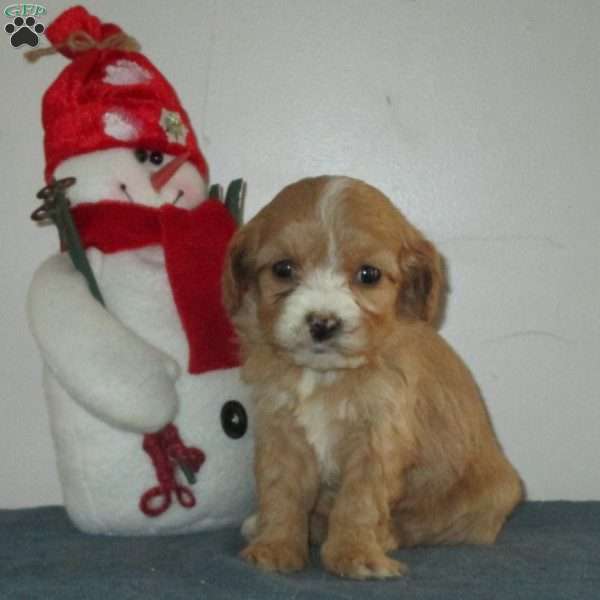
115, 373
106, 367
101, 175
112, 374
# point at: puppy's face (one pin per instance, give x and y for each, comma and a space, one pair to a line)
325, 271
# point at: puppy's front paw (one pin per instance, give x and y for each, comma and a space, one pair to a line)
361, 563
279, 556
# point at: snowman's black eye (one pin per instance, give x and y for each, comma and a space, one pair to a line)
234, 419
141, 155
156, 158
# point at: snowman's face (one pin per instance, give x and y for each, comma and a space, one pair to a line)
124, 174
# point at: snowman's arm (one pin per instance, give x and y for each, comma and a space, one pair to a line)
104, 366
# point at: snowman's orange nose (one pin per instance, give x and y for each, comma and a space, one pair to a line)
161, 177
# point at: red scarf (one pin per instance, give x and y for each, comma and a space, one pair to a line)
194, 244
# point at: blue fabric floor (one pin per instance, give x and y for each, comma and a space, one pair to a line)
548, 550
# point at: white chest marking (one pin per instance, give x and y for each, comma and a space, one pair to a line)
318, 419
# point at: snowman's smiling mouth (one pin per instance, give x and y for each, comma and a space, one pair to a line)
178, 197
123, 188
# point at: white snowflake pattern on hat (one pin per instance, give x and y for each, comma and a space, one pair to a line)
120, 125
126, 72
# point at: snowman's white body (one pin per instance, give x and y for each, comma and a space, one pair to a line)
113, 374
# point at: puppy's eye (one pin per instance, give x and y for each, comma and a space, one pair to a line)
141, 155
284, 269
368, 275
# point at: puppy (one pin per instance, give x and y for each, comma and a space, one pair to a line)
371, 434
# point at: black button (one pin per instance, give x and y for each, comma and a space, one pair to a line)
234, 419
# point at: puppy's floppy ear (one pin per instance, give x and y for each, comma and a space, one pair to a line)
422, 282
238, 270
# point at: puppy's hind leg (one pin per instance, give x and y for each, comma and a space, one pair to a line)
250, 527
497, 502
473, 512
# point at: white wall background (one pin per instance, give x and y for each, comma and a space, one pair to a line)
480, 119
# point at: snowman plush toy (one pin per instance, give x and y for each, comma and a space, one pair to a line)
151, 424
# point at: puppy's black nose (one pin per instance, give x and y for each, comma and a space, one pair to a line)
323, 327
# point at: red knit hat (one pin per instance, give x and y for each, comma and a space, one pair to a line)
109, 96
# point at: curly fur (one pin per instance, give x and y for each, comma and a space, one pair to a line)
376, 438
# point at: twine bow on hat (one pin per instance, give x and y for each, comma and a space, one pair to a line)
81, 41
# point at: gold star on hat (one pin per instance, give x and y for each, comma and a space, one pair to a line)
174, 127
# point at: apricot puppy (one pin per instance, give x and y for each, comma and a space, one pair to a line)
371, 434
